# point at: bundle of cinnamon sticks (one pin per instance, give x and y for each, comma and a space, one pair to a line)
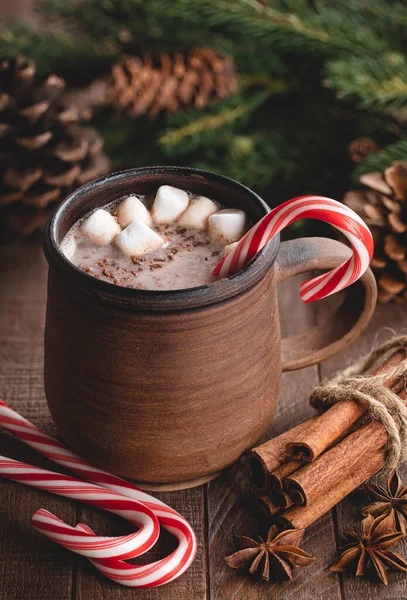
301, 474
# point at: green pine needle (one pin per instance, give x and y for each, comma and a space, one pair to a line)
196, 128
381, 160
285, 25
379, 83
74, 58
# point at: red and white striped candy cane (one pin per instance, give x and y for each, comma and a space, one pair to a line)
307, 207
122, 547
150, 575
146, 575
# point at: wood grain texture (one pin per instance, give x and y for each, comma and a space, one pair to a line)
90, 584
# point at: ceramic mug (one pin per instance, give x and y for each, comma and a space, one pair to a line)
170, 387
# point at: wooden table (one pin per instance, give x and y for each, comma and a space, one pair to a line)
33, 568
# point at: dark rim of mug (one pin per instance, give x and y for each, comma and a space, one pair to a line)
158, 300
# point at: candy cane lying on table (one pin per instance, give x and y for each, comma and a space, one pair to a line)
122, 547
307, 207
151, 575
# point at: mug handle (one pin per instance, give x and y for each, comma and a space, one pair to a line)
350, 319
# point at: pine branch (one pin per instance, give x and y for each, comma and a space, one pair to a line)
379, 84
381, 160
119, 133
187, 131
293, 26
272, 84
271, 149
56, 52
258, 138
388, 20
254, 161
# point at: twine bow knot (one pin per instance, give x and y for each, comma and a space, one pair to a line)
381, 398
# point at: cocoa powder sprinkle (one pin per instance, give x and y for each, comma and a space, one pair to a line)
140, 271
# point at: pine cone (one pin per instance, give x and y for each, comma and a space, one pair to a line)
383, 206
170, 82
44, 152
361, 147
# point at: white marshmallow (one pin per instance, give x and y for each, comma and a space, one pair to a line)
227, 225
138, 238
229, 247
131, 209
100, 228
169, 204
197, 213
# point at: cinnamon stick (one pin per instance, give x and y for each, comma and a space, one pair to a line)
266, 458
338, 464
299, 517
267, 506
335, 422
276, 478
274, 505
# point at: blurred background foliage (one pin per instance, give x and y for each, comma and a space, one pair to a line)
310, 78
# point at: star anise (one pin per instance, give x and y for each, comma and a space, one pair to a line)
392, 499
275, 556
377, 536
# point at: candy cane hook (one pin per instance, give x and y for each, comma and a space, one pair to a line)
121, 547
307, 207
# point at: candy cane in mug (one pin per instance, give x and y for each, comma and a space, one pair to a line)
113, 566
307, 207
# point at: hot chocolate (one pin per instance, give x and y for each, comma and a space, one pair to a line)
171, 241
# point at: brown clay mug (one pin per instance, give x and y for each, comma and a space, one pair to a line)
170, 387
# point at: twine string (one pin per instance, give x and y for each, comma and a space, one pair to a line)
383, 403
